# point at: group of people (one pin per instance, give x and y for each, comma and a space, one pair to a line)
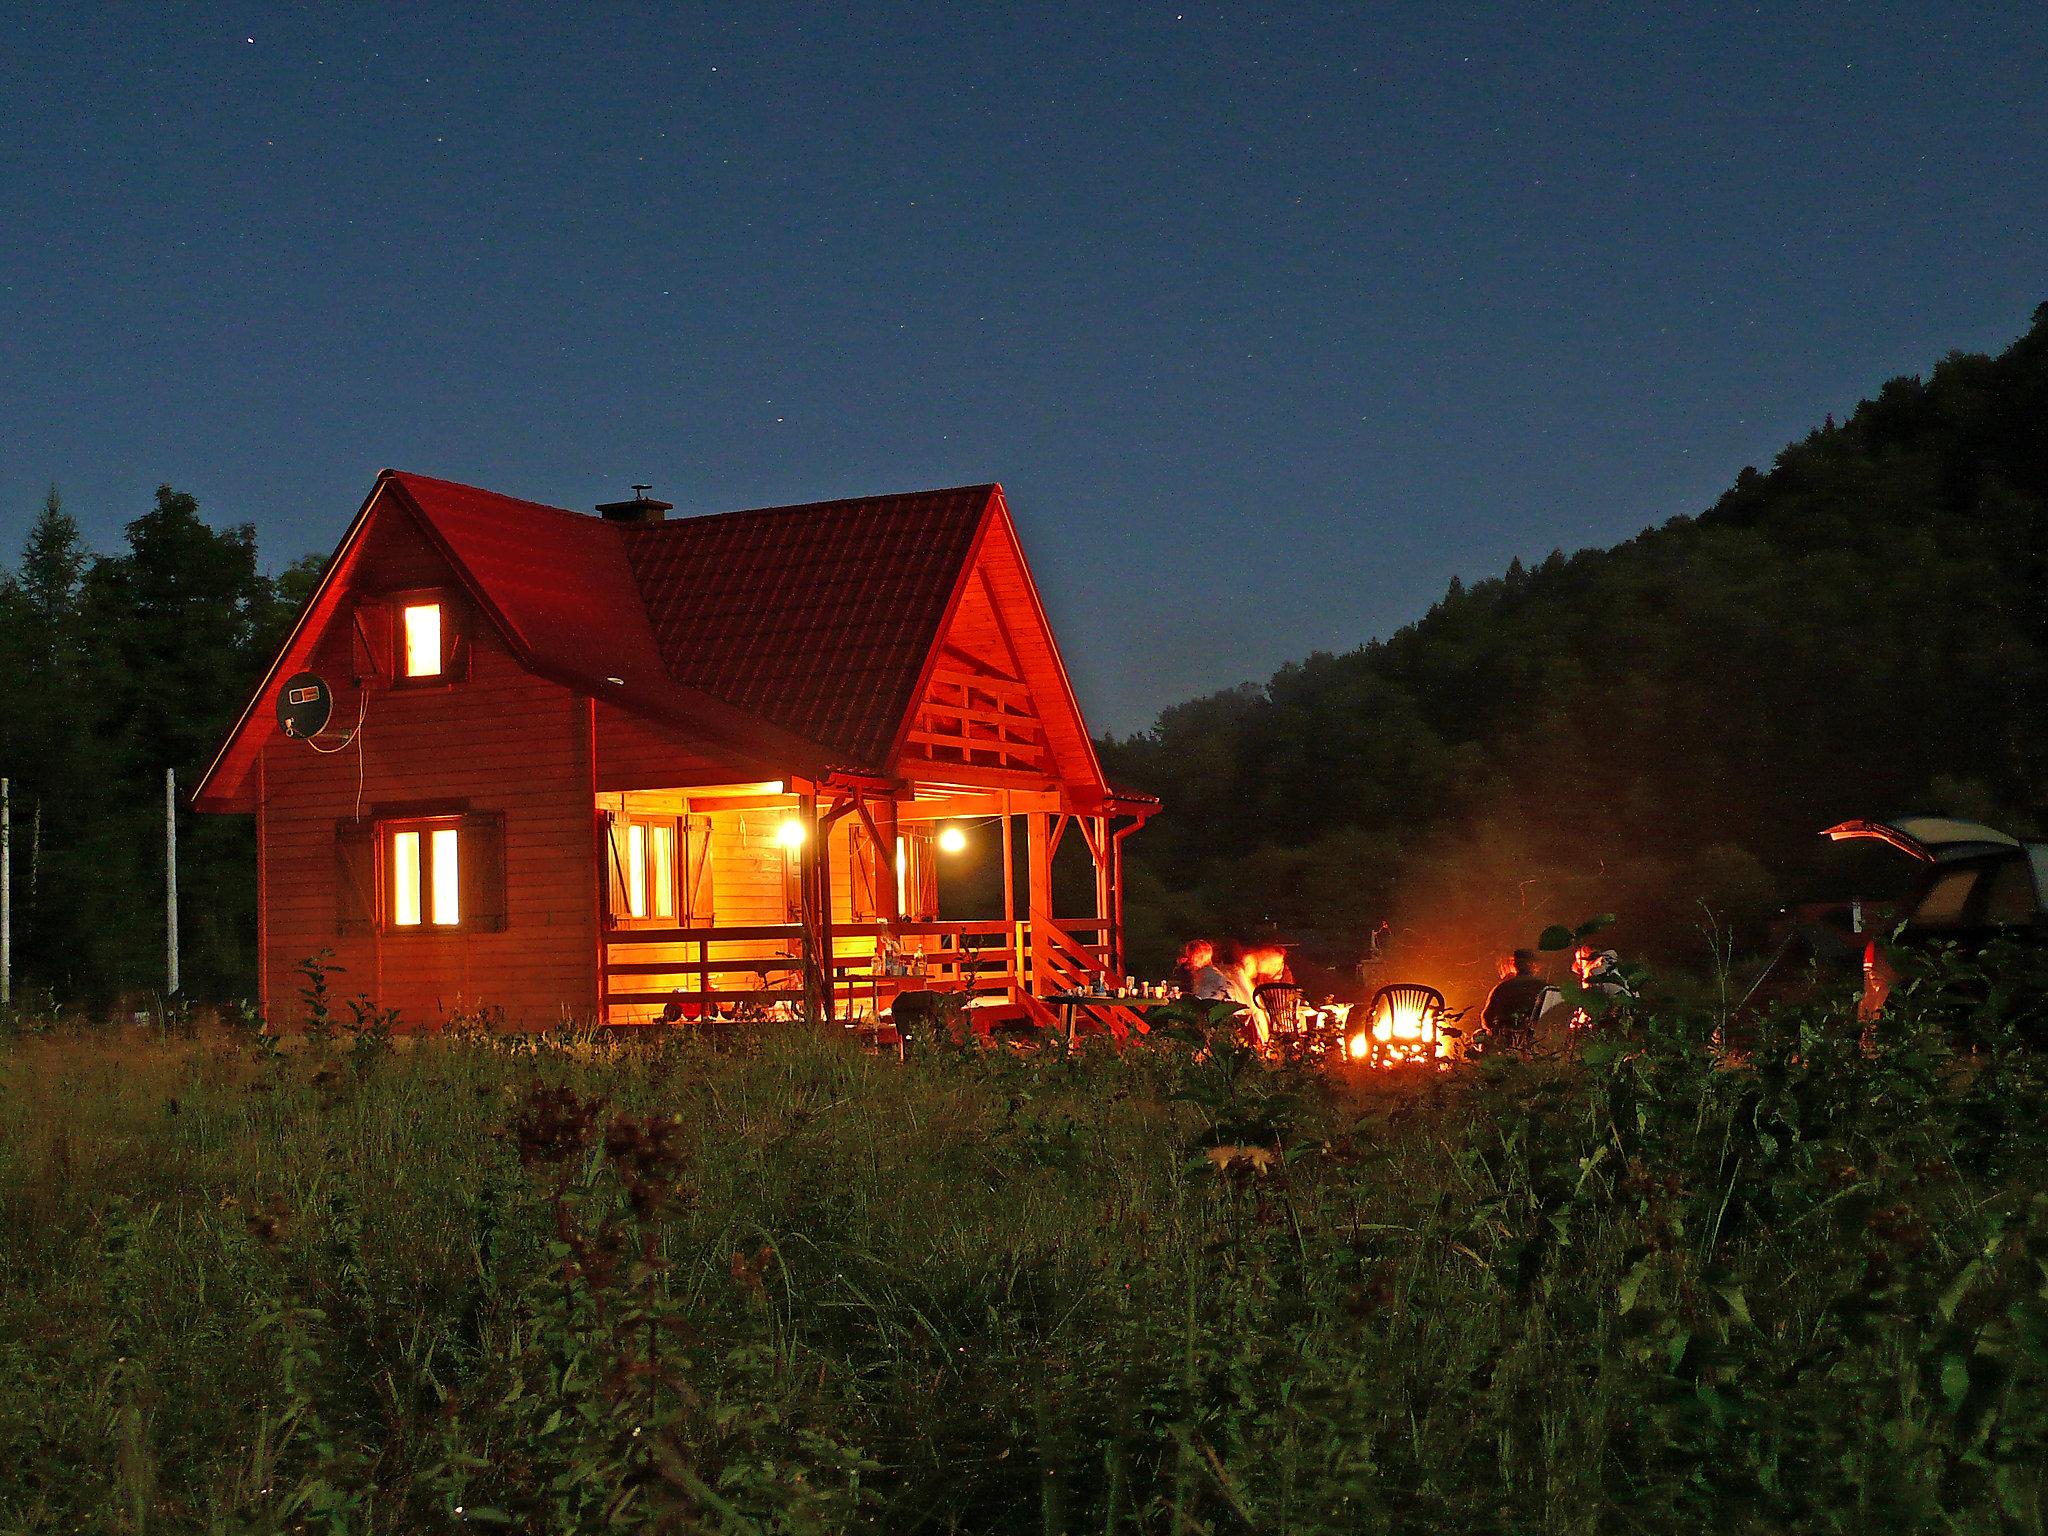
1234, 971
1524, 1005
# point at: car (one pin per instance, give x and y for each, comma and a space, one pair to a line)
1978, 884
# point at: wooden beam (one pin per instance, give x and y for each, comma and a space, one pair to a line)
975, 776
995, 687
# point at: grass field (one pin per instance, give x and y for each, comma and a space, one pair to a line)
561, 1286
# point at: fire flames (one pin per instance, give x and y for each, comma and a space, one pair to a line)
1403, 1028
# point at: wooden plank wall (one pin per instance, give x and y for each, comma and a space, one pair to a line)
502, 740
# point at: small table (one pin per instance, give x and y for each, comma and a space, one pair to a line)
1070, 1002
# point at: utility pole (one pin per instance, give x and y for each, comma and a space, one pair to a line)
6, 898
171, 881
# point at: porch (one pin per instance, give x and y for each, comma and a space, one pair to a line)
737, 902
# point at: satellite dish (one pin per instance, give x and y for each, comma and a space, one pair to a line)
304, 704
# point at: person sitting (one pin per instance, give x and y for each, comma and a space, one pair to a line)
1599, 970
1232, 976
1273, 985
1520, 998
1195, 957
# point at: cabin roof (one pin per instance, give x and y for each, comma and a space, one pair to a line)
802, 633
817, 618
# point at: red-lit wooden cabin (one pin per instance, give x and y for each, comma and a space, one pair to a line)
615, 768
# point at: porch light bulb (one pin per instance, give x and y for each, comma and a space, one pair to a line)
952, 840
790, 834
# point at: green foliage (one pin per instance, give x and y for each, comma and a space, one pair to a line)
112, 669
1860, 630
549, 1284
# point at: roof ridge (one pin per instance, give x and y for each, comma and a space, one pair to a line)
698, 519
407, 477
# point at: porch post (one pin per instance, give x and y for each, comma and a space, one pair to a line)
1018, 985
1038, 896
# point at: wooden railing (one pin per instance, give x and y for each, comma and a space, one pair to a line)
988, 956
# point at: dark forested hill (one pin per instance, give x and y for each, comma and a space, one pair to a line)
1863, 629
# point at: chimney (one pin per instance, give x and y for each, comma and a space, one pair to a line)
641, 509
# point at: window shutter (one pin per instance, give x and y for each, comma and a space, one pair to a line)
694, 852
866, 892
355, 876
373, 623
921, 879
615, 904
482, 855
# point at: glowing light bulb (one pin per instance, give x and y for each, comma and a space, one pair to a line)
952, 840
790, 834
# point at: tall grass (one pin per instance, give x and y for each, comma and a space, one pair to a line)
560, 1285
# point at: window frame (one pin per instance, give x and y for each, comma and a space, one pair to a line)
619, 882
453, 637
424, 827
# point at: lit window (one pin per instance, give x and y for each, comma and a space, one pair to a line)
662, 869
447, 878
636, 870
405, 879
423, 640
425, 876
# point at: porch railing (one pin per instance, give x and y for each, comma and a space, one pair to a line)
1014, 959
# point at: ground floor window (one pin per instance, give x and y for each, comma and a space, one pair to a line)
404, 874
426, 875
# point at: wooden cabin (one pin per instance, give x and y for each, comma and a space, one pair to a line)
629, 768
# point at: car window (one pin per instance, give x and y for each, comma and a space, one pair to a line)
1942, 906
2009, 893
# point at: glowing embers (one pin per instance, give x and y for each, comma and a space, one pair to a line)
421, 631
1403, 1024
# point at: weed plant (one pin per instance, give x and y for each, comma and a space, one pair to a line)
565, 1284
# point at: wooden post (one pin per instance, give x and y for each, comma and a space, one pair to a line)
1017, 979
1038, 897
171, 882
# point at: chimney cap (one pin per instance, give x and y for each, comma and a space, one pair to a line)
642, 508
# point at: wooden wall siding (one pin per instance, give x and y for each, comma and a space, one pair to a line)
1002, 574
977, 710
504, 741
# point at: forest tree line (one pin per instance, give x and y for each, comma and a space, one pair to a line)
1658, 729
116, 668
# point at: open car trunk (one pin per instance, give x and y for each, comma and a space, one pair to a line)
1977, 878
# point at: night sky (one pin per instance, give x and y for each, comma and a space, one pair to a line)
1268, 324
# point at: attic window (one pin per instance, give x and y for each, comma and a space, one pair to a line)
420, 631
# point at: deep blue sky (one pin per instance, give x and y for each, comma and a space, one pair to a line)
1269, 323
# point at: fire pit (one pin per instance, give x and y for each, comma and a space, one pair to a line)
1403, 1022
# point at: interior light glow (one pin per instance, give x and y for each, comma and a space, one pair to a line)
636, 870
423, 640
902, 876
405, 879
952, 840
447, 877
661, 869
